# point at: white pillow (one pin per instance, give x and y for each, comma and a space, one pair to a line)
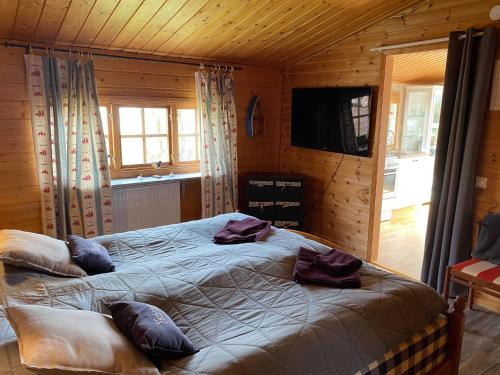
56, 341
37, 252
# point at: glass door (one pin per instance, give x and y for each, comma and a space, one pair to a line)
437, 99
416, 119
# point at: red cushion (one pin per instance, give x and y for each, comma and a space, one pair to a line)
481, 269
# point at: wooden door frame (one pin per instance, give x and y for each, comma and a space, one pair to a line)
379, 144
378, 157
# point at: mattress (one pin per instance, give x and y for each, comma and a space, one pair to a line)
237, 303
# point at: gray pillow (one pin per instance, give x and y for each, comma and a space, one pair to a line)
37, 252
57, 341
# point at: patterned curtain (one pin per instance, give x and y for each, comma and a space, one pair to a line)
71, 156
219, 169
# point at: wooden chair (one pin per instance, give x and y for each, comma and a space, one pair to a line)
477, 275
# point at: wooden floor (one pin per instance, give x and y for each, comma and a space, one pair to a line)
402, 239
481, 344
401, 249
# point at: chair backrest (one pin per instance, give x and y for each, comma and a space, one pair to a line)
488, 241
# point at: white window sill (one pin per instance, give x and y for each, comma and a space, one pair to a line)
148, 180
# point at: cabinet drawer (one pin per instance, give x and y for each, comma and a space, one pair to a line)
287, 210
288, 190
260, 190
261, 210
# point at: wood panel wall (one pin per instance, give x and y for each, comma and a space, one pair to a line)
19, 194
342, 212
120, 79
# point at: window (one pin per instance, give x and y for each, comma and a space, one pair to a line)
360, 108
188, 135
137, 136
144, 135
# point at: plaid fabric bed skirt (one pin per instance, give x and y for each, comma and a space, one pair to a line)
422, 352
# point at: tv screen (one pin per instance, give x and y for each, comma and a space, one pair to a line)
332, 119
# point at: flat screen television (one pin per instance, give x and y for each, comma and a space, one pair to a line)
332, 119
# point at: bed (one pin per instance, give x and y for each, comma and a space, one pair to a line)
240, 306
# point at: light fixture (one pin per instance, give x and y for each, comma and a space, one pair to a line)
495, 13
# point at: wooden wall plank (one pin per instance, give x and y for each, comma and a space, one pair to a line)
119, 79
352, 63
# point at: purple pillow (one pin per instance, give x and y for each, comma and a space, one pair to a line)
151, 330
90, 255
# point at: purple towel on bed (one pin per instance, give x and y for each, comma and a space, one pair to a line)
239, 231
338, 262
306, 272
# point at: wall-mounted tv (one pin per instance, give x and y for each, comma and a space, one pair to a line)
332, 119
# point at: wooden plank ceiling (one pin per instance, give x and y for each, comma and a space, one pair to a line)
257, 32
420, 67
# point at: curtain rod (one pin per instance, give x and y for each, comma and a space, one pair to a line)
115, 54
418, 43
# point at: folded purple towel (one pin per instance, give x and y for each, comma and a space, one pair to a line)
305, 272
338, 262
239, 231
246, 226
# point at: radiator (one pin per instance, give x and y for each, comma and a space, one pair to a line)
146, 206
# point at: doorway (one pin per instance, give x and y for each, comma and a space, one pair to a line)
410, 147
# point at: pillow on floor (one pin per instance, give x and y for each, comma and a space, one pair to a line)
151, 330
55, 341
90, 255
37, 252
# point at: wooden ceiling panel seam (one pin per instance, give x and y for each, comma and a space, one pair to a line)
376, 18
114, 22
62, 23
274, 14
52, 7
10, 13
287, 17
29, 10
237, 28
200, 16
105, 9
78, 7
183, 15
278, 33
155, 24
266, 43
189, 40
437, 20
258, 44
123, 40
333, 25
433, 17
426, 67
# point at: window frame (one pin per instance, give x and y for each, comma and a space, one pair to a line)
197, 133
118, 170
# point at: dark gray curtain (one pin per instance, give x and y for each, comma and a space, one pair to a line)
466, 94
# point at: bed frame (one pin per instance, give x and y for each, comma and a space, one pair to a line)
456, 320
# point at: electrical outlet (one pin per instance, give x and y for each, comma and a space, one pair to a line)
481, 182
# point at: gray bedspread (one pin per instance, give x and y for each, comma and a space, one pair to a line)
237, 303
